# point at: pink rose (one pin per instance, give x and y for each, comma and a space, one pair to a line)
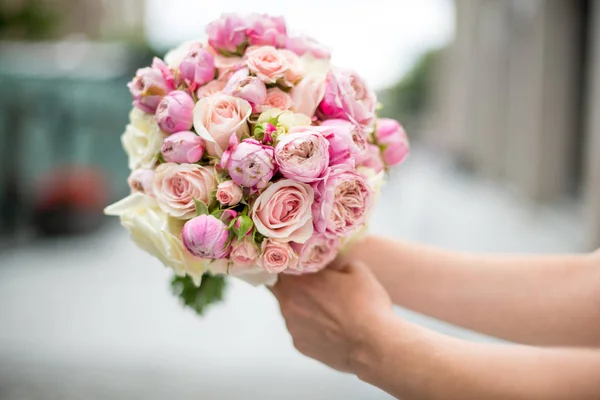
316, 253
294, 68
303, 45
210, 88
244, 253
250, 163
277, 256
229, 194
218, 117
373, 159
283, 211
302, 155
276, 98
226, 66
227, 33
175, 112
140, 180
177, 185
246, 87
392, 136
265, 30
197, 68
150, 85
343, 199
308, 94
348, 97
183, 148
206, 237
267, 63
346, 141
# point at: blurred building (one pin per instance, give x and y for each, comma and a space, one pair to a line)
519, 98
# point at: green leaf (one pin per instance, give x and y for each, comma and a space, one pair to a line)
201, 208
246, 226
199, 298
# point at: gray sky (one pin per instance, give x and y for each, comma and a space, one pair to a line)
378, 38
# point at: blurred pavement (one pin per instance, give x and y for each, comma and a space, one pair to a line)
93, 318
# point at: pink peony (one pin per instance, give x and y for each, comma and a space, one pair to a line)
219, 116
183, 148
244, 253
175, 112
283, 211
316, 253
197, 68
343, 199
267, 63
229, 194
373, 159
347, 143
302, 155
392, 136
308, 94
277, 256
265, 30
150, 85
206, 237
348, 97
303, 45
246, 87
177, 185
227, 33
250, 163
140, 180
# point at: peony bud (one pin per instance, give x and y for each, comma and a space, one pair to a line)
392, 136
207, 237
150, 85
246, 87
140, 180
198, 68
227, 33
183, 148
250, 163
229, 194
175, 113
228, 215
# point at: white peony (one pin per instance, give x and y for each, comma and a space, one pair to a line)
142, 140
155, 232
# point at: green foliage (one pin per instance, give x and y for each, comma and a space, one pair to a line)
201, 208
199, 298
32, 21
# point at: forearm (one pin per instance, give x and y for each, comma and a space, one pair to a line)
412, 363
534, 300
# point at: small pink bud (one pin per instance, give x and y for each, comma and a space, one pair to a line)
175, 113
205, 236
229, 194
392, 136
247, 87
183, 148
197, 68
150, 85
140, 180
228, 216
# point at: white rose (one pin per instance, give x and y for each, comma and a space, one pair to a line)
142, 140
155, 232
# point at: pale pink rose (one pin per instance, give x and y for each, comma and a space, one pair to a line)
308, 94
266, 30
197, 68
343, 200
302, 155
294, 68
283, 211
229, 194
276, 98
175, 112
206, 237
226, 66
183, 148
176, 186
210, 88
348, 97
277, 256
150, 85
303, 45
373, 159
250, 163
316, 253
228, 33
246, 87
392, 136
140, 180
347, 144
244, 253
218, 117
267, 63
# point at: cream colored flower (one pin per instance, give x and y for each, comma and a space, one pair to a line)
142, 140
286, 119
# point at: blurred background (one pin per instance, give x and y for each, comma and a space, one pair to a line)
500, 99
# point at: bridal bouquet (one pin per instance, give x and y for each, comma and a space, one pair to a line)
251, 156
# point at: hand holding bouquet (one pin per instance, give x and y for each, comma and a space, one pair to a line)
251, 156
